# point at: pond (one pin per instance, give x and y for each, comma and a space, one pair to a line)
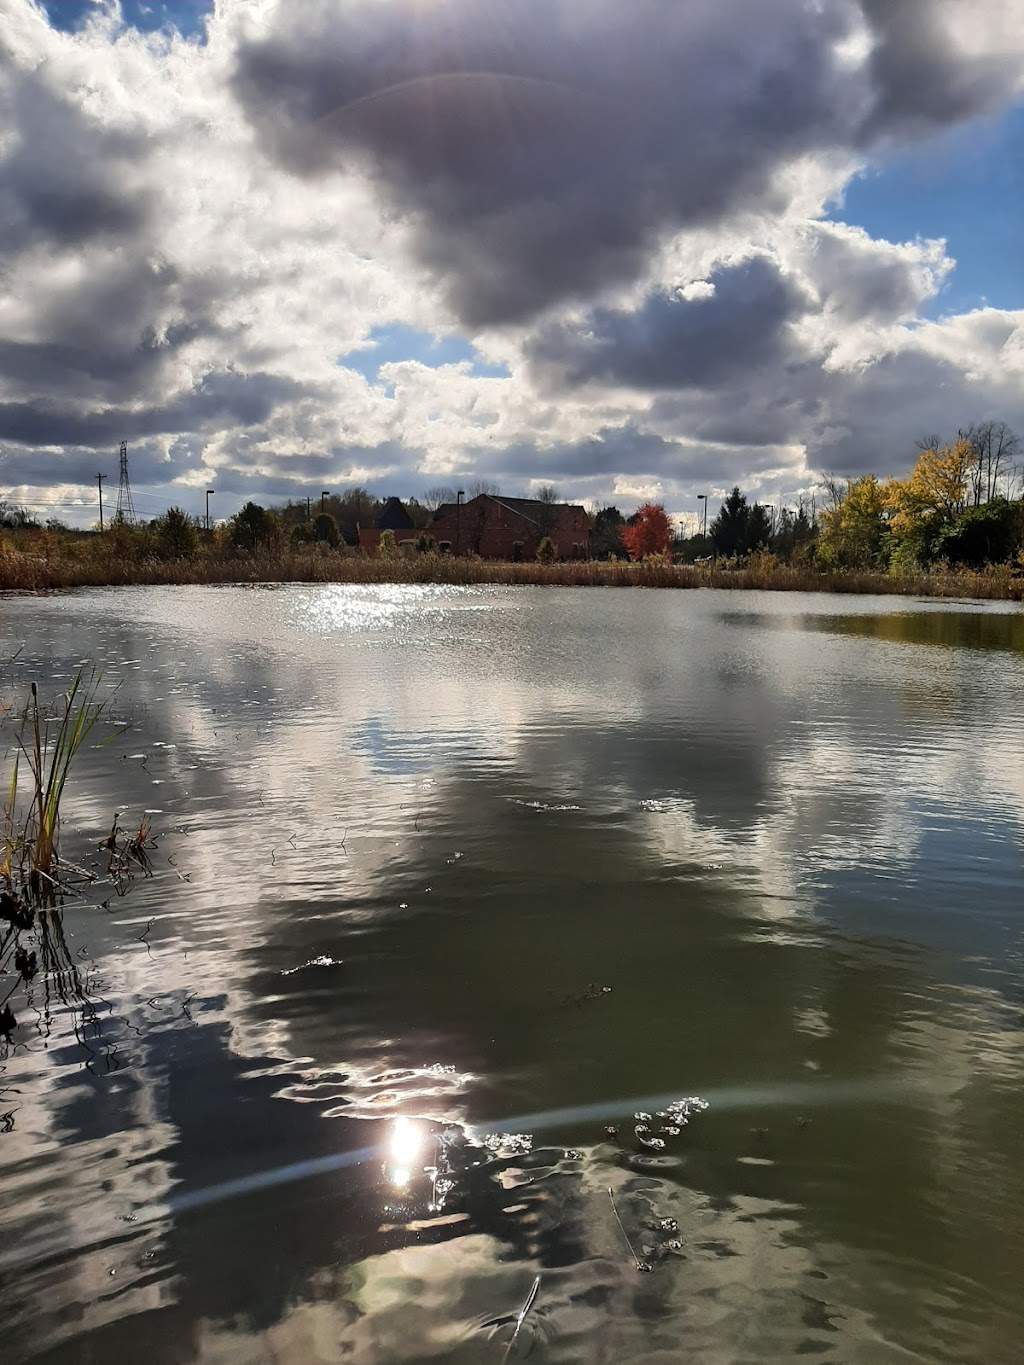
461, 900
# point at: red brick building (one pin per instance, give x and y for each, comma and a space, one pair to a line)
511, 528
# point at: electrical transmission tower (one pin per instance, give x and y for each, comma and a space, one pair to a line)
125, 508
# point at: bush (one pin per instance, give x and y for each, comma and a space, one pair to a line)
325, 530
176, 535
546, 552
254, 528
983, 535
386, 545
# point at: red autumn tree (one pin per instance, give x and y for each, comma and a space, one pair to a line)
650, 534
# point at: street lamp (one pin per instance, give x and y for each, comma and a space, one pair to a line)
209, 494
458, 519
323, 499
703, 497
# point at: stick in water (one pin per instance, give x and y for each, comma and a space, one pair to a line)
521, 1318
640, 1264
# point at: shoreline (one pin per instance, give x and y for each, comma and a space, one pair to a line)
21, 573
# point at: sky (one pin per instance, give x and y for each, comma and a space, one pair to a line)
633, 251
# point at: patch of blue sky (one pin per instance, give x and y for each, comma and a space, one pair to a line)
148, 16
967, 187
397, 342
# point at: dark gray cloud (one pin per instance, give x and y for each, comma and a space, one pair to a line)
672, 342
65, 180
220, 399
921, 79
542, 148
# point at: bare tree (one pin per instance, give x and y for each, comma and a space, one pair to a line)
434, 497
547, 512
995, 446
483, 487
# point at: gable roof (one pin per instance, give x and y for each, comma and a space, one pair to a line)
394, 516
527, 508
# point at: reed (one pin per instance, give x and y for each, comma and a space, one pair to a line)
31, 829
95, 563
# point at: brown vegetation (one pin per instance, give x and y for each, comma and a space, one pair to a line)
43, 561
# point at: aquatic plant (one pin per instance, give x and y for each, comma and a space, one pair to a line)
521, 1318
29, 857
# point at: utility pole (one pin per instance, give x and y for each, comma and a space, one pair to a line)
309, 511
125, 509
703, 497
99, 485
458, 520
209, 491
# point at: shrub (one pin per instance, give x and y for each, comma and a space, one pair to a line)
546, 552
254, 528
386, 545
325, 530
176, 535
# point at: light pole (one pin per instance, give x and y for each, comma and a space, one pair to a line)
209, 493
703, 497
458, 519
99, 485
323, 499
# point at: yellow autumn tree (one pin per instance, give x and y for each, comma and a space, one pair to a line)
936, 493
938, 488
853, 529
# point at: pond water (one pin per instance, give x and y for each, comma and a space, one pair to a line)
449, 886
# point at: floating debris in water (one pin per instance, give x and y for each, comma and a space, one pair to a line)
322, 961
543, 805
663, 1225
593, 992
509, 1144
667, 1123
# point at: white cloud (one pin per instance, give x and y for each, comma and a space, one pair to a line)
188, 248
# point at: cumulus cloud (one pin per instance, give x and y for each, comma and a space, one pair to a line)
621, 206
542, 149
676, 340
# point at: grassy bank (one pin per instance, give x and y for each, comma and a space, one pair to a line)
23, 570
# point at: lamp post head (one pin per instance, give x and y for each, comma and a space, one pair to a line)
460, 495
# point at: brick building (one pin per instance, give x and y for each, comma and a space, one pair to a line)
511, 528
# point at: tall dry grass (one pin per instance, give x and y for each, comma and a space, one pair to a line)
47, 567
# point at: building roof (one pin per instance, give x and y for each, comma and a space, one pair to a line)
394, 516
527, 508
